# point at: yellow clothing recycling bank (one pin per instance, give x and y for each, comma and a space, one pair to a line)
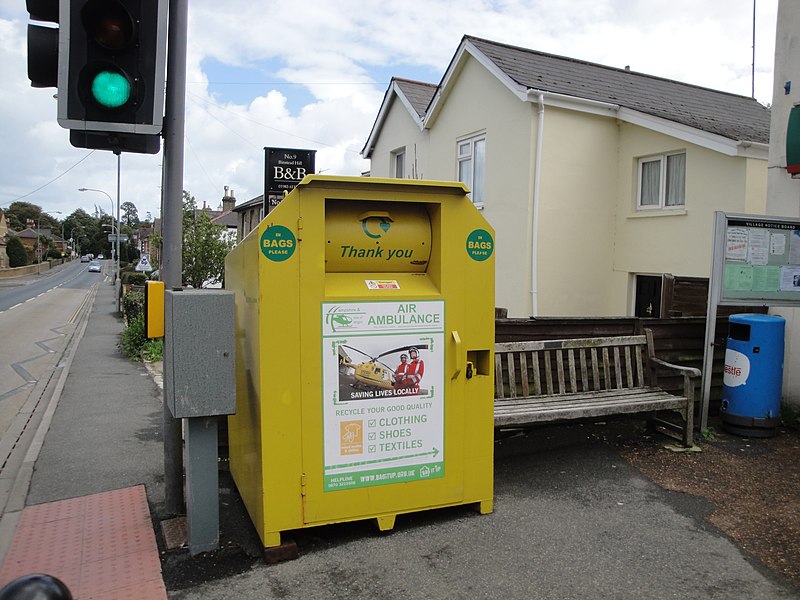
365, 367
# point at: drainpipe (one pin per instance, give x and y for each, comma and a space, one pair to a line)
537, 170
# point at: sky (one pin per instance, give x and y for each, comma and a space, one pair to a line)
312, 75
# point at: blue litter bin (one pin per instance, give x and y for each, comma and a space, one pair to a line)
751, 391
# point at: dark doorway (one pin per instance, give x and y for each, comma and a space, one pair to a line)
647, 301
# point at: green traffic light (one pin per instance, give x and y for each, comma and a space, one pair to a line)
111, 89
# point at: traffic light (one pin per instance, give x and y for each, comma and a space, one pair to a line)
43, 44
111, 73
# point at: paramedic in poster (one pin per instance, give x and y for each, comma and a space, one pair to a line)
408, 375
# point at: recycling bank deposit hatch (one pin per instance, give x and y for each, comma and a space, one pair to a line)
365, 330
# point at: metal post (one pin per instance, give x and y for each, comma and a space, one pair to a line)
202, 484
117, 281
172, 220
39, 245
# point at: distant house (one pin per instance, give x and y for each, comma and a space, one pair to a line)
597, 180
29, 235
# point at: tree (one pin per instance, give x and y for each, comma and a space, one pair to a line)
17, 255
19, 213
130, 215
205, 246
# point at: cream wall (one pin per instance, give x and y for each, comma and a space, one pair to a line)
576, 214
678, 241
399, 130
479, 103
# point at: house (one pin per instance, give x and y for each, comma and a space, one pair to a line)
29, 235
597, 180
249, 214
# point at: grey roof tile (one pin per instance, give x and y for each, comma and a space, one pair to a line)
419, 94
728, 115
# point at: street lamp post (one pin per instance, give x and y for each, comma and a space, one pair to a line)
116, 260
72, 239
39, 240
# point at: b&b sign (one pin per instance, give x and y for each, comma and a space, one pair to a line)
285, 168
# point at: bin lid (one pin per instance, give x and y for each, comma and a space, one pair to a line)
753, 318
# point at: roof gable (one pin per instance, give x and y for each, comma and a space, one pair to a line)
414, 95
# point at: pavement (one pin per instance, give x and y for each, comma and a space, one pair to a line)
572, 519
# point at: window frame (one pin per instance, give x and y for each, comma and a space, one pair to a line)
470, 158
397, 156
663, 174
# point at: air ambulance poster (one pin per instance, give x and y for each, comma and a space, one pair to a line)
383, 392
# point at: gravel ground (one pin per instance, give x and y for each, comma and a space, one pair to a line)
754, 485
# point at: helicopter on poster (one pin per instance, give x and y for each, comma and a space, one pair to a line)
374, 377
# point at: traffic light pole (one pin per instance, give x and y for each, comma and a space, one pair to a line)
172, 226
117, 280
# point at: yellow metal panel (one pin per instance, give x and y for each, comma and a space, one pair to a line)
364, 236
154, 309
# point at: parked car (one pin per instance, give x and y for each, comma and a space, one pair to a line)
100, 257
95, 267
85, 258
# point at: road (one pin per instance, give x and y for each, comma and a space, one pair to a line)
38, 318
18, 291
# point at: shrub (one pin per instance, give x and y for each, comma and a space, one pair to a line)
133, 306
17, 255
153, 350
133, 337
133, 278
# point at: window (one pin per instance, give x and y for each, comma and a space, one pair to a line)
399, 163
662, 181
472, 166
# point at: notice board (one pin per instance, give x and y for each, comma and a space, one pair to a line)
757, 260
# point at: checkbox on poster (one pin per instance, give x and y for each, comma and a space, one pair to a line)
372, 435
372, 448
371, 423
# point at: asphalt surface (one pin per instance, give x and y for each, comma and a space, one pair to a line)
571, 518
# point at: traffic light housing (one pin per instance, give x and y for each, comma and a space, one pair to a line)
43, 44
111, 73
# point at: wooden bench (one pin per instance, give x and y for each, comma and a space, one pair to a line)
551, 380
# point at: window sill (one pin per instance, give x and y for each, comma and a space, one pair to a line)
661, 212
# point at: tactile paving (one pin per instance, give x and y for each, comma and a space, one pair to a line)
100, 546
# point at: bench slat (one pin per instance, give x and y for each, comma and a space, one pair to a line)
548, 373
573, 380
512, 376
560, 367
590, 396
523, 372
499, 390
595, 369
537, 379
639, 367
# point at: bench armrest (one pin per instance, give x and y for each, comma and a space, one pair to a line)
688, 371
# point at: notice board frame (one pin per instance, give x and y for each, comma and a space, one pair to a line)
750, 266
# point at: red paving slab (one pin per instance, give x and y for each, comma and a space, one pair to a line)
100, 546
